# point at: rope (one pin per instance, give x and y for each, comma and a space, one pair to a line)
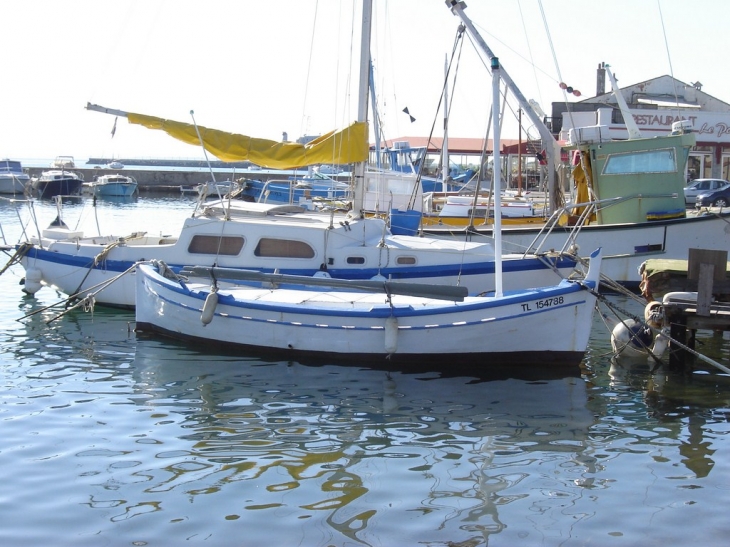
19, 253
102, 256
88, 301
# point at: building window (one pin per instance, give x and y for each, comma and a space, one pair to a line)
216, 245
283, 248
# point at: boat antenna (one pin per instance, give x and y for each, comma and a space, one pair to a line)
205, 152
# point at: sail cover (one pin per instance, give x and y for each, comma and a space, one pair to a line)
348, 145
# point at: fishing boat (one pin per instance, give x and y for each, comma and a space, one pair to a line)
278, 238
281, 314
56, 182
114, 185
13, 180
631, 199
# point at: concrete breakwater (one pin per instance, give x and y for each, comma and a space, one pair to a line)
165, 179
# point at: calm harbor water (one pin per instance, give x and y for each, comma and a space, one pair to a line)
111, 439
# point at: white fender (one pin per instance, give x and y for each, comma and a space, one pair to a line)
211, 301
630, 339
661, 343
33, 278
391, 335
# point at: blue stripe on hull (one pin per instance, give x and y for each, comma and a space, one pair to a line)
422, 272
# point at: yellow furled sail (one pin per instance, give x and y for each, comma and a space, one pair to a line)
348, 145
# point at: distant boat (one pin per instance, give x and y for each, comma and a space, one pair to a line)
295, 191
12, 178
114, 165
114, 185
56, 182
63, 162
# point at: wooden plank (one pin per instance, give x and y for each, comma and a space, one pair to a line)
707, 256
704, 289
420, 290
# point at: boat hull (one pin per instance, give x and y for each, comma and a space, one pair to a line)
76, 270
625, 246
57, 187
293, 191
115, 189
359, 325
13, 184
357, 249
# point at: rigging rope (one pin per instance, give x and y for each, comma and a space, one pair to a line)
102, 256
19, 254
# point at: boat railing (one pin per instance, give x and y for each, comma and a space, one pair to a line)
588, 209
265, 191
18, 204
299, 184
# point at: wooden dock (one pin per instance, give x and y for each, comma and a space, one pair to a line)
695, 295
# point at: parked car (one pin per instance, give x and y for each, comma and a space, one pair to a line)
702, 186
717, 198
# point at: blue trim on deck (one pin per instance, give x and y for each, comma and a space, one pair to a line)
400, 273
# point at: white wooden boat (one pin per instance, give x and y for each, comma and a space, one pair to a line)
13, 180
548, 325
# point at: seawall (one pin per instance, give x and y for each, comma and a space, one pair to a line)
162, 179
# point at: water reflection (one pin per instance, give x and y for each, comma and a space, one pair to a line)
683, 403
336, 438
153, 440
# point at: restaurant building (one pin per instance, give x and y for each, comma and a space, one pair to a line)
655, 104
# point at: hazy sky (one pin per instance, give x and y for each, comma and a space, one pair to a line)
265, 67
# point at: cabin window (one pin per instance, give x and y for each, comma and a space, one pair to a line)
283, 248
652, 161
478, 213
405, 260
216, 245
356, 260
